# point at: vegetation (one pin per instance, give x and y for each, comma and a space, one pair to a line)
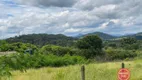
119, 54
56, 50
128, 41
21, 47
90, 46
103, 36
42, 50
26, 61
43, 39
4, 46
97, 71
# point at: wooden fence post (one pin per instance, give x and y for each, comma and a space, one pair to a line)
123, 65
83, 73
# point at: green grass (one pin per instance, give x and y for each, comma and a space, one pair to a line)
96, 71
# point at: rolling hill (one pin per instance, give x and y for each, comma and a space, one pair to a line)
43, 39
62, 40
106, 36
102, 35
137, 36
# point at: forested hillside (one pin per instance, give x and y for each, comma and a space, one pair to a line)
137, 36
102, 35
62, 40
43, 39
105, 36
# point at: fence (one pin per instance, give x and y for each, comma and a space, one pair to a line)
83, 71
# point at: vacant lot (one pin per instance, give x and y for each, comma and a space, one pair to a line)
97, 71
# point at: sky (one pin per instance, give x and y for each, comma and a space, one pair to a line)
69, 17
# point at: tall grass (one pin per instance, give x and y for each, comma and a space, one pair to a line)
98, 71
23, 62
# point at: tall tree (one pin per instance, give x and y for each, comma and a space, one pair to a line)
90, 45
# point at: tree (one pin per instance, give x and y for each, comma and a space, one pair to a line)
128, 41
22, 47
43, 39
4, 46
56, 50
90, 46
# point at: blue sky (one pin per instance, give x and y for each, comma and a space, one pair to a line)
69, 17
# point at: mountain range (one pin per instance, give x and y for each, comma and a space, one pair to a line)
106, 36
62, 40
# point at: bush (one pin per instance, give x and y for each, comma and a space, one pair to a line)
139, 54
128, 40
4, 46
134, 46
26, 61
21, 47
56, 50
55, 61
90, 53
119, 54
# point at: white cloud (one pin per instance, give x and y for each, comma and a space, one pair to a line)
71, 30
83, 16
48, 3
91, 4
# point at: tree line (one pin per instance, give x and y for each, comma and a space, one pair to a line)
43, 39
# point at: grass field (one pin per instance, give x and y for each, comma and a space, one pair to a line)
96, 71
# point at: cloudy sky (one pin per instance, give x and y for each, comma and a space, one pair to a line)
69, 17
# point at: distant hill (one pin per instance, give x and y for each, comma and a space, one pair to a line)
102, 35
62, 40
138, 36
43, 39
106, 36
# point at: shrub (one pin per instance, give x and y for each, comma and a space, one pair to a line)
56, 50
114, 54
128, 40
4, 46
21, 47
26, 61
134, 46
90, 53
55, 61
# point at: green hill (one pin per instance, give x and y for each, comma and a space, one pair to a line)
102, 35
138, 36
62, 40
43, 39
